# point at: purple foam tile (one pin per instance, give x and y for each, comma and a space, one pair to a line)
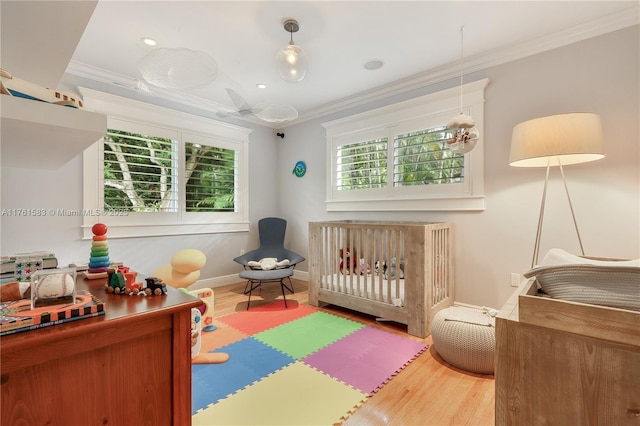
366, 359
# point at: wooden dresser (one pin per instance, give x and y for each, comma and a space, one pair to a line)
131, 366
564, 363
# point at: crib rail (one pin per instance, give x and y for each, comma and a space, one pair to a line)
402, 271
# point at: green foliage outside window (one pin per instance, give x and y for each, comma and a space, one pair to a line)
419, 158
141, 172
210, 178
363, 165
422, 158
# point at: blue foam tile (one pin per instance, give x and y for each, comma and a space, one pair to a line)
249, 361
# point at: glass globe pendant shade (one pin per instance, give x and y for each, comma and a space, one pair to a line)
292, 63
179, 68
463, 133
463, 140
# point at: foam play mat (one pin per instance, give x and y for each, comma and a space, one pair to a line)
295, 366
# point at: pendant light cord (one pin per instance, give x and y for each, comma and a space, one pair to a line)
461, 56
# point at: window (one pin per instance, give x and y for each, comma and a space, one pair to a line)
139, 173
163, 172
422, 158
362, 165
211, 178
396, 158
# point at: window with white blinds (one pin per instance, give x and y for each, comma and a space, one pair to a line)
422, 158
211, 176
397, 158
164, 172
140, 172
362, 165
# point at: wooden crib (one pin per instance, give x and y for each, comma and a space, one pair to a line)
398, 271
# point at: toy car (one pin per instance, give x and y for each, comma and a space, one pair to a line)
155, 286
116, 284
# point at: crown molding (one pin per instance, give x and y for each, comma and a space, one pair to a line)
603, 25
122, 81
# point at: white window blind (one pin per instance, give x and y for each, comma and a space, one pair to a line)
210, 175
140, 172
422, 158
362, 165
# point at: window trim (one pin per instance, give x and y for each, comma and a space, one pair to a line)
385, 122
123, 110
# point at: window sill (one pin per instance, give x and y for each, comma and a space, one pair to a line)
134, 231
437, 204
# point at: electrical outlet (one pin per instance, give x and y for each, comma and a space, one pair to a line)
515, 279
241, 252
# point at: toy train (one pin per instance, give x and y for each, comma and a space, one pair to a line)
125, 283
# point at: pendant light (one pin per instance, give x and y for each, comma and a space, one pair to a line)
462, 128
292, 61
178, 68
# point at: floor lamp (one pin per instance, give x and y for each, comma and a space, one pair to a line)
557, 140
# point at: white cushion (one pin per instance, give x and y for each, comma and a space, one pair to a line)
609, 283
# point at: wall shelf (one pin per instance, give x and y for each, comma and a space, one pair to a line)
40, 135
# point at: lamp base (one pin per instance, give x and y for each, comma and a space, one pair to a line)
536, 248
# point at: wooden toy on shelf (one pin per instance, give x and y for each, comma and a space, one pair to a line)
99, 258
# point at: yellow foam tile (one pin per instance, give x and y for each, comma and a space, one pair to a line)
295, 395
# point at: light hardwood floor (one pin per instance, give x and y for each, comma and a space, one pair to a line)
427, 392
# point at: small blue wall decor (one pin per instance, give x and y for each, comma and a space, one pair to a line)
299, 169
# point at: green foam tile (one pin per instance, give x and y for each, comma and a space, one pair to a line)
308, 334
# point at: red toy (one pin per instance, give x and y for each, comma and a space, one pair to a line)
348, 261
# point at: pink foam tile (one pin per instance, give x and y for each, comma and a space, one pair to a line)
366, 359
264, 317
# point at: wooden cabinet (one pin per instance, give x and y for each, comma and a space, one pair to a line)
564, 363
131, 366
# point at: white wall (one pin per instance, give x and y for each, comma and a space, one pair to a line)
62, 189
597, 75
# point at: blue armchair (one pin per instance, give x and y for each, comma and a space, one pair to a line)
271, 232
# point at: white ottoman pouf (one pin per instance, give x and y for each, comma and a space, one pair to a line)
466, 338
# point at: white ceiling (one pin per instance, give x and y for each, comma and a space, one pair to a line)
419, 41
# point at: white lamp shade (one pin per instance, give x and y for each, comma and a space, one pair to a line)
558, 139
292, 63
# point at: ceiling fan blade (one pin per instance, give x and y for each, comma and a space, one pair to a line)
143, 89
238, 100
223, 114
137, 86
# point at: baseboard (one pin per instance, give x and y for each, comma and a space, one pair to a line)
234, 279
301, 275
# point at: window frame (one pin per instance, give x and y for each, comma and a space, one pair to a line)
420, 113
140, 117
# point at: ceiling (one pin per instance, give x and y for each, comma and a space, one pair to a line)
418, 41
